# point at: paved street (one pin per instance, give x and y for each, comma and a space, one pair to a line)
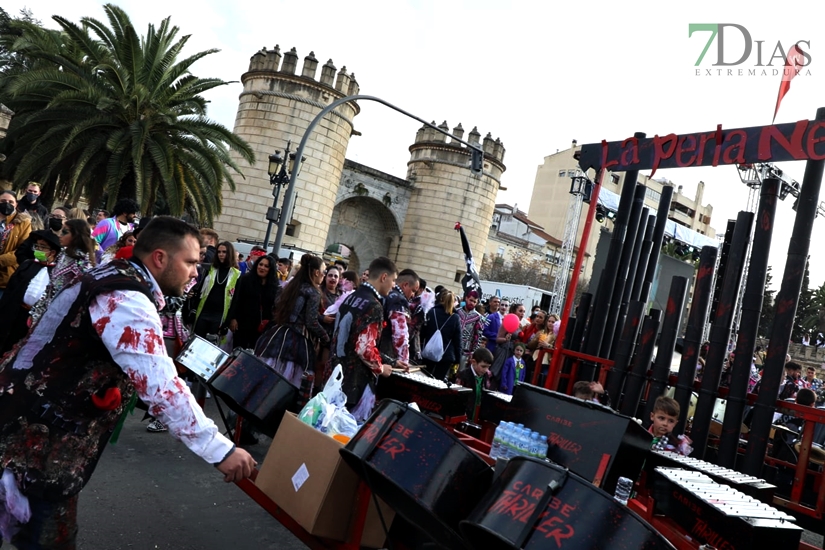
150, 492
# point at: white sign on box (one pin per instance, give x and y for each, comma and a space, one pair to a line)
300, 477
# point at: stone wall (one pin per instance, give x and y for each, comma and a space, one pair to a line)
276, 107
445, 191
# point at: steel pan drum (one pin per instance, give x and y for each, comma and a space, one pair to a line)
254, 390
419, 469
201, 357
537, 505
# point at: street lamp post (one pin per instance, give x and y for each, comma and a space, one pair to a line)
475, 150
280, 173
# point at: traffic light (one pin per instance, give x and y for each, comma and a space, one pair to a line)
601, 212
477, 161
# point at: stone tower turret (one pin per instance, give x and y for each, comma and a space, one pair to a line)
278, 101
446, 191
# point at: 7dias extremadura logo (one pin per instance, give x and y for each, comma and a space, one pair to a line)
738, 54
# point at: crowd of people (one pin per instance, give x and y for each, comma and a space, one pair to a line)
116, 298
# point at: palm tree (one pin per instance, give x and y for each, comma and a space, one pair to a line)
107, 113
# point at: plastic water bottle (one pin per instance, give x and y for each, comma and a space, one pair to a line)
511, 443
495, 448
535, 445
623, 488
544, 447
524, 442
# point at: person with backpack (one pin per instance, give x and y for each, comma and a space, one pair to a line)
442, 334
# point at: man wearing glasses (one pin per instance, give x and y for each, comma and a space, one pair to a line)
14, 229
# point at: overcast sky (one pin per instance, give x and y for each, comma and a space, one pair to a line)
536, 75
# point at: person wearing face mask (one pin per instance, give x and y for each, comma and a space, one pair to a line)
55, 220
14, 229
31, 202
25, 287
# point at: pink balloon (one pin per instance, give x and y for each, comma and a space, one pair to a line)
510, 322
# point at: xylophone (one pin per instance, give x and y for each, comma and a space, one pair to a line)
430, 394
718, 515
750, 485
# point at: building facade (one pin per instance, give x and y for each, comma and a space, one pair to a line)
516, 242
337, 202
275, 108
551, 198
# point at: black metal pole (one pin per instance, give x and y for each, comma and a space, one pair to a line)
667, 343
624, 352
658, 237
637, 376
749, 325
786, 301
582, 312
644, 258
601, 302
619, 272
644, 223
720, 334
693, 332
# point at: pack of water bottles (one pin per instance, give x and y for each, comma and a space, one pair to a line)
512, 440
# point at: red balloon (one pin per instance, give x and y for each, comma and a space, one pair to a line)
510, 322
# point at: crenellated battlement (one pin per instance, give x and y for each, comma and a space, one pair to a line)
493, 149
273, 61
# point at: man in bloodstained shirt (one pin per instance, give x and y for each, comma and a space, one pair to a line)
355, 339
395, 337
55, 421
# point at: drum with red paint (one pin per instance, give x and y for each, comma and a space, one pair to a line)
536, 505
254, 390
419, 469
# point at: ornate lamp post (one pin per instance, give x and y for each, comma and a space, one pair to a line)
280, 173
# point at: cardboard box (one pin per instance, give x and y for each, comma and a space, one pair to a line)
305, 476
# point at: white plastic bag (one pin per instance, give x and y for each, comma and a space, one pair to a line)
342, 422
319, 410
333, 389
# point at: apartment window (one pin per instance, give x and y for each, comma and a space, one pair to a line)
653, 195
458, 276
571, 173
292, 229
501, 251
562, 173
615, 178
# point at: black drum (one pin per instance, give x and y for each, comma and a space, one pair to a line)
254, 390
419, 469
537, 505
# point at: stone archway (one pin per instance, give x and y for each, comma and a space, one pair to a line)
366, 226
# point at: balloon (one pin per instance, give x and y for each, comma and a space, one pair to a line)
510, 322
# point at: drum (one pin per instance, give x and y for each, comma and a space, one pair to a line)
419, 469
201, 357
254, 390
535, 505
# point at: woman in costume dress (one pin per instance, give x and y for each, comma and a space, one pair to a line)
251, 308
290, 344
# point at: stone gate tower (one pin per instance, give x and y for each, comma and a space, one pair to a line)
444, 192
276, 105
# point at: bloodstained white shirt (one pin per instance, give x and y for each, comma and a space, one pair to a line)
129, 326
